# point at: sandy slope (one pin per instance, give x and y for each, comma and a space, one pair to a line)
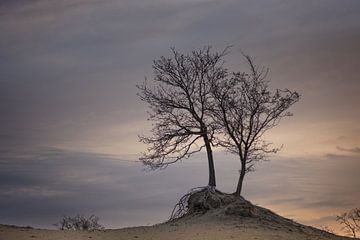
198, 229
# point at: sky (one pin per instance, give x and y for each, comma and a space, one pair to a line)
70, 117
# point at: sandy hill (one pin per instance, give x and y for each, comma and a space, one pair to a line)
208, 216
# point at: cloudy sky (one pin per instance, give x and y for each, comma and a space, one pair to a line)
70, 117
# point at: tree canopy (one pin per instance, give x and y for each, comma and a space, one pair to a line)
196, 103
245, 108
179, 107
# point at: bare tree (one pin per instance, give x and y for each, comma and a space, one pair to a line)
244, 109
350, 221
179, 107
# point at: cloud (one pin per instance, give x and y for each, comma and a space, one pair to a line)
68, 75
69, 68
351, 150
38, 187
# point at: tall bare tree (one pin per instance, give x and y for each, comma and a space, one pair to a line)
179, 107
244, 109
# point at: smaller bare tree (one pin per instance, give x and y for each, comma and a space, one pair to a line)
350, 221
244, 109
79, 222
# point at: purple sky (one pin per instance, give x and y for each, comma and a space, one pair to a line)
70, 115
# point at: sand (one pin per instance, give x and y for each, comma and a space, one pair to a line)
197, 229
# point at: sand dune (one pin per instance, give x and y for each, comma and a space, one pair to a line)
180, 230
238, 219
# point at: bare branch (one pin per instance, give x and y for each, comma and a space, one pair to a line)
244, 110
180, 105
350, 221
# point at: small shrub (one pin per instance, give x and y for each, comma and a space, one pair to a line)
79, 222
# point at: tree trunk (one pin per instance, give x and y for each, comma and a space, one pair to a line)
212, 181
241, 179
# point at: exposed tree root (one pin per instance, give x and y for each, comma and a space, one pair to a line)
200, 200
181, 208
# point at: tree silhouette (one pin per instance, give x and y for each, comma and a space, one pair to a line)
195, 104
180, 105
350, 221
244, 109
